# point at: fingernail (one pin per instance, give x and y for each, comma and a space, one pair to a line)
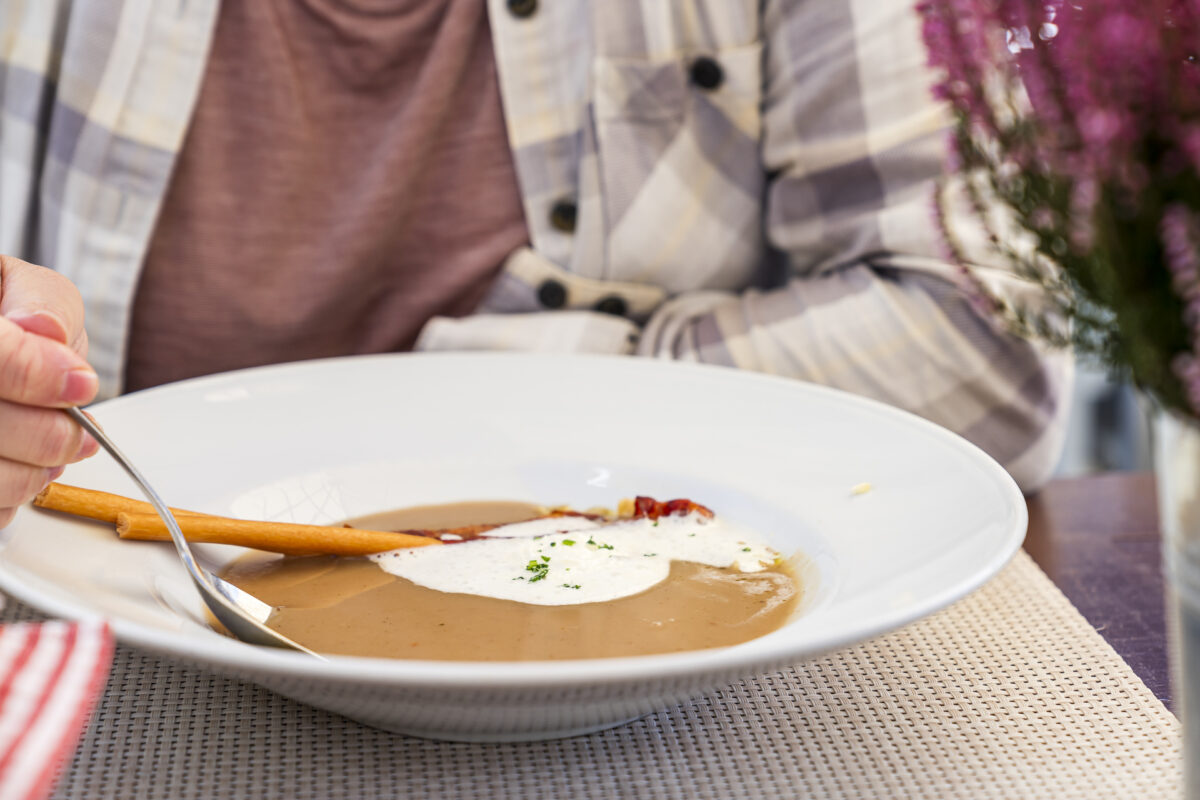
54, 474
79, 386
88, 448
41, 322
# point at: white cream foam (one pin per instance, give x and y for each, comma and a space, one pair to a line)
574, 560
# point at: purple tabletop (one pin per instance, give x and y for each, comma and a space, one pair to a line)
1097, 538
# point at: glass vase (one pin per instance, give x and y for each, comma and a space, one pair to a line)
1177, 473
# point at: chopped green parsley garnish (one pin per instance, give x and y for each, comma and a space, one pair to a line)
570, 585
538, 568
600, 545
745, 549
569, 542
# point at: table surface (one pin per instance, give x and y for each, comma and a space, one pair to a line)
1097, 538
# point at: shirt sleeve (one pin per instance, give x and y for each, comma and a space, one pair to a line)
862, 300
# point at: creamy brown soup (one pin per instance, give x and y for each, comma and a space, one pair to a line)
351, 606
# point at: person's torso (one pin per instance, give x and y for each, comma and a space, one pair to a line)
345, 177
614, 113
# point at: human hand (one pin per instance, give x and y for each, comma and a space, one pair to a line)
43, 367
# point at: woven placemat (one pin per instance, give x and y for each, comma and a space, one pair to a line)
1007, 694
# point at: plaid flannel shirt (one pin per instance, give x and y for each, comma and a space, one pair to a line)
751, 182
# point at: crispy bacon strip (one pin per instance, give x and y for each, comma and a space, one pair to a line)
649, 508
643, 508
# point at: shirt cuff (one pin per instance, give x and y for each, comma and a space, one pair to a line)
544, 332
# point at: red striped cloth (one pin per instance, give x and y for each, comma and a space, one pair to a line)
50, 676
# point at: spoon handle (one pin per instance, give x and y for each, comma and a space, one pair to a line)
185, 552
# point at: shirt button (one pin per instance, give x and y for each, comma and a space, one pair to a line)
522, 8
552, 294
706, 73
563, 215
612, 305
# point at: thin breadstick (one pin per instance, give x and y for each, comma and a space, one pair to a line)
95, 505
275, 537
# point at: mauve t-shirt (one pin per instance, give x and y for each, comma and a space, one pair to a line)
346, 176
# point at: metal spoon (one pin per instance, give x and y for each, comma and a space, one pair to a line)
241, 613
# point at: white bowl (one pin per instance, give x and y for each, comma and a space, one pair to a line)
325, 440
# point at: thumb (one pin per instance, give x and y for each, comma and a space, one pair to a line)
40, 301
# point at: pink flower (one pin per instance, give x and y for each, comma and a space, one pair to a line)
1089, 132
